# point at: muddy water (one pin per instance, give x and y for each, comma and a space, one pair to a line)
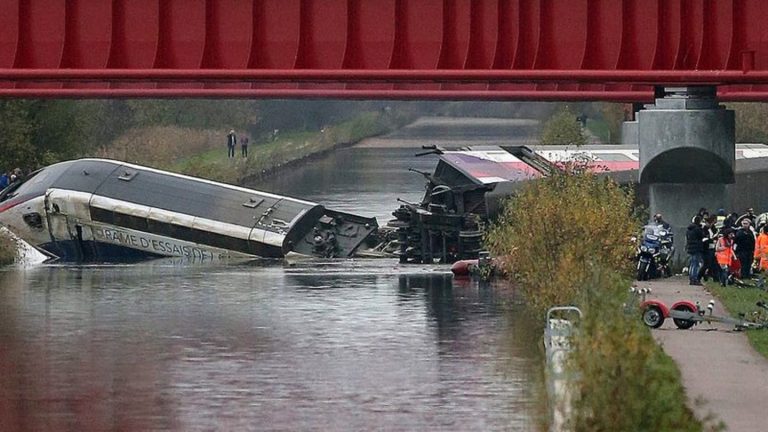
271, 345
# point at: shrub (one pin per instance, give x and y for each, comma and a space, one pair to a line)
626, 382
563, 129
566, 239
553, 233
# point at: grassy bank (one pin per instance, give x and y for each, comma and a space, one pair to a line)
742, 300
203, 153
287, 148
563, 238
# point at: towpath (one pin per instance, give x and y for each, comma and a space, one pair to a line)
718, 365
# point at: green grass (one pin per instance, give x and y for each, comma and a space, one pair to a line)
288, 147
262, 155
742, 300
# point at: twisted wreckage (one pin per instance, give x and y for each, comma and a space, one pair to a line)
97, 210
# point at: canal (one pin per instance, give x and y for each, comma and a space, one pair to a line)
305, 344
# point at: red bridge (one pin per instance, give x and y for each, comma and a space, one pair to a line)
400, 49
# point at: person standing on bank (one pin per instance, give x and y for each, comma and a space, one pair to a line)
761, 255
695, 247
231, 143
244, 146
709, 266
724, 254
745, 247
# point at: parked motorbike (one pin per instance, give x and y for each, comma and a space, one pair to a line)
654, 253
666, 252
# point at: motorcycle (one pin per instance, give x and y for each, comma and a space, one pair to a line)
654, 253
666, 252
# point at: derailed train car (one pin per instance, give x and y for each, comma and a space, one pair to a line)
97, 210
469, 185
465, 190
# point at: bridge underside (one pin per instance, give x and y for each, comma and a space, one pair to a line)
396, 49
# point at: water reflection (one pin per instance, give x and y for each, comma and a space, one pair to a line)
352, 346
268, 345
365, 181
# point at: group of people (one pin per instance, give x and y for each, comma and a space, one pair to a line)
232, 144
8, 177
725, 245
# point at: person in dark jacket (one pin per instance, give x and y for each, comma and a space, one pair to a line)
659, 220
231, 143
703, 213
730, 221
745, 247
709, 268
694, 246
750, 213
244, 146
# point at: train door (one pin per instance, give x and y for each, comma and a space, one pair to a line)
69, 224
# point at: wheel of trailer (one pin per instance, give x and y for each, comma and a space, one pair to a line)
683, 324
652, 317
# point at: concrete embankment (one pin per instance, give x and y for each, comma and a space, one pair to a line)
717, 364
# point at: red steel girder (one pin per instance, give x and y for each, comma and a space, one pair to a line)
489, 49
657, 77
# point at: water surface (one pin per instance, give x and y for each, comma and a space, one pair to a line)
270, 345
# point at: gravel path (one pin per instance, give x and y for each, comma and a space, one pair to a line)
718, 365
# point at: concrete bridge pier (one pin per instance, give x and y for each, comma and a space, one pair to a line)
687, 155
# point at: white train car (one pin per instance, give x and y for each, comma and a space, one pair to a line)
97, 210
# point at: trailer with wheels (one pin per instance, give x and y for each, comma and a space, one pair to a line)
686, 314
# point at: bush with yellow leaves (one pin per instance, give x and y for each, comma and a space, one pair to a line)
566, 240
556, 229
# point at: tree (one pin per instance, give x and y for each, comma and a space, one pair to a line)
613, 115
563, 129
750, 122
16, 127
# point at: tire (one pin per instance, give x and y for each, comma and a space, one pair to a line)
667, 272
683, 324
652, 317
643, 271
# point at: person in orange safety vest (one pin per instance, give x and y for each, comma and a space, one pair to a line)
761, 254
724, 254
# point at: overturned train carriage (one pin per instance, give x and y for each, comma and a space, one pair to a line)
94, 210
465, 190
470, 184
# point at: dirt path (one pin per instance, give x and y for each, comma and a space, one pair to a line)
718, 365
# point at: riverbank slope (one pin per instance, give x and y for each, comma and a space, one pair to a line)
202, 153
